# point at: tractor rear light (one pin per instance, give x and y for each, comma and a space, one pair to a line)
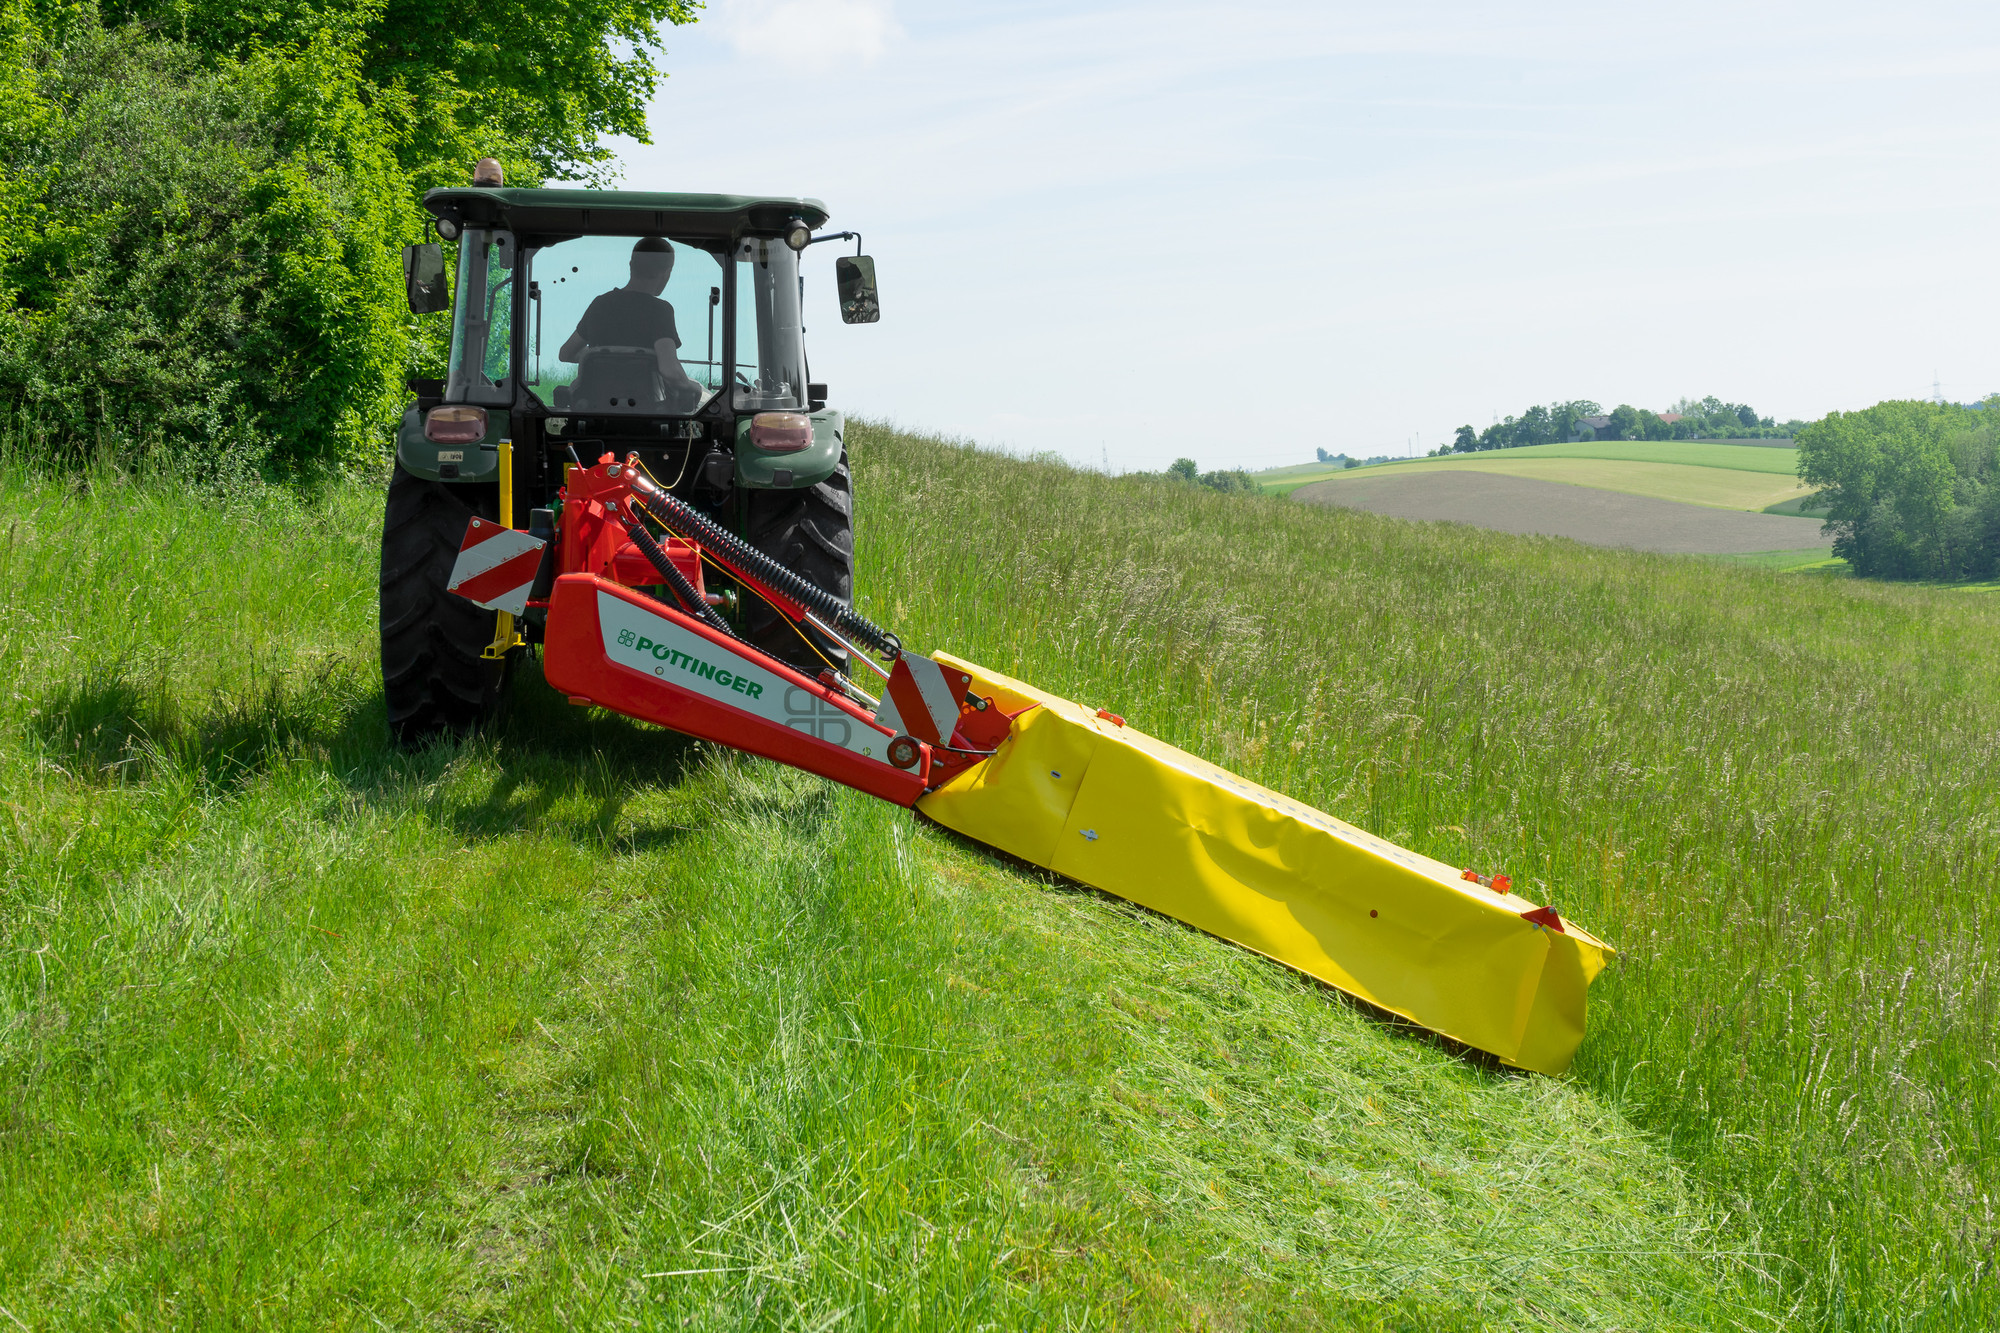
455, 425
781, 432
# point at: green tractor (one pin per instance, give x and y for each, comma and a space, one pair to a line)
587, 322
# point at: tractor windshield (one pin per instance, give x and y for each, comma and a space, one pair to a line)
770, 369
624, 324
482, 322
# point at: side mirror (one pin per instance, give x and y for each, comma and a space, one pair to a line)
854, 275
423, 279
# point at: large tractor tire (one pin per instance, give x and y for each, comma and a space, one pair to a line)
811, 533
433, 678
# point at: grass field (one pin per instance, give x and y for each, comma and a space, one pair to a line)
1683, 471
1818, 562
581, 1026
1746, 456
1699, 484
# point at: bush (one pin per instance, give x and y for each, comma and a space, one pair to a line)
216, 269
201, 206
1235, 481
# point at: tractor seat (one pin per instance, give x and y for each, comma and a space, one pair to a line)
616, 377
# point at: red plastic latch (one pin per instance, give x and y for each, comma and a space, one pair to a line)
1545, 916
1111, 717
1470, 874
1502, 885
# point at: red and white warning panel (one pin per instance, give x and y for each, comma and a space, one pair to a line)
496, 566
923, 699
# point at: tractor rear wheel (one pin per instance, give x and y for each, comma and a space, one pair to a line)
433, 677
811, 533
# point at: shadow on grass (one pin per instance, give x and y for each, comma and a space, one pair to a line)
1471, 1058
124, 724
567, 769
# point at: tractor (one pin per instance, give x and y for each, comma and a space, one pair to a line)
629, 467
662, 326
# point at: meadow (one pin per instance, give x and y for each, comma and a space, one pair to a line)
1711, 487
577, 1024
1747, 456
1719, 476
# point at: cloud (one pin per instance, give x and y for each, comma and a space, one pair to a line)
810, 34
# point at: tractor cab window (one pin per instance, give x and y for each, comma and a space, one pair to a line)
624, 324
770, 369
482, 321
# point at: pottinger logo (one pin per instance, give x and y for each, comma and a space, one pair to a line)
728, 680
807, 712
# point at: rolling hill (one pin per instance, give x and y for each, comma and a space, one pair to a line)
578, 1024
1721, 476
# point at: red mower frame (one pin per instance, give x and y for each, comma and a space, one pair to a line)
609, 640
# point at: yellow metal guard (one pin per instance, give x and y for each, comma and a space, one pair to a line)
1113, 808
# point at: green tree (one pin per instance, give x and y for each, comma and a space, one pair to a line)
1909, 488
1565, 416
1535, 427
1624, 423
1466, 441
200, 203
539, 86
1184, 469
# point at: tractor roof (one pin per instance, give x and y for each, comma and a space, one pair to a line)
622, 212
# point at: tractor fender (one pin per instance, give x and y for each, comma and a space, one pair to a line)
467, 462
759, 471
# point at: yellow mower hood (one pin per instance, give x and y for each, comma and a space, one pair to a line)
1111, 807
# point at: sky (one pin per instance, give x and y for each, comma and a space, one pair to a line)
1244, 232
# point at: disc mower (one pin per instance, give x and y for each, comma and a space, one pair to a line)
629, 469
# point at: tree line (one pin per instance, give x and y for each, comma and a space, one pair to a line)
1230, 481
1557, 423
1911, 489
201, 202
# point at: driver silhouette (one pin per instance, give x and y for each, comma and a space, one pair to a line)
626, 346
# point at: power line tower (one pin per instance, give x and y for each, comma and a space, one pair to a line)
1937, 389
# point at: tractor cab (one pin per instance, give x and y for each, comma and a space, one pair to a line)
667, 322
585, 322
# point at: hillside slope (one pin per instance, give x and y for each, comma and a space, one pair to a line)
580, 1025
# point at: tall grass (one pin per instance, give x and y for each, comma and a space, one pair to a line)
579, 1025
1780, 796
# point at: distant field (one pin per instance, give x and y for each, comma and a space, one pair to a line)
1697, 484
1599, 516
1786, 562
1295, 471
1770, 456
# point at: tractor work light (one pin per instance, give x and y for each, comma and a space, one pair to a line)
781, 432
455, 425
448, 227
797, 234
